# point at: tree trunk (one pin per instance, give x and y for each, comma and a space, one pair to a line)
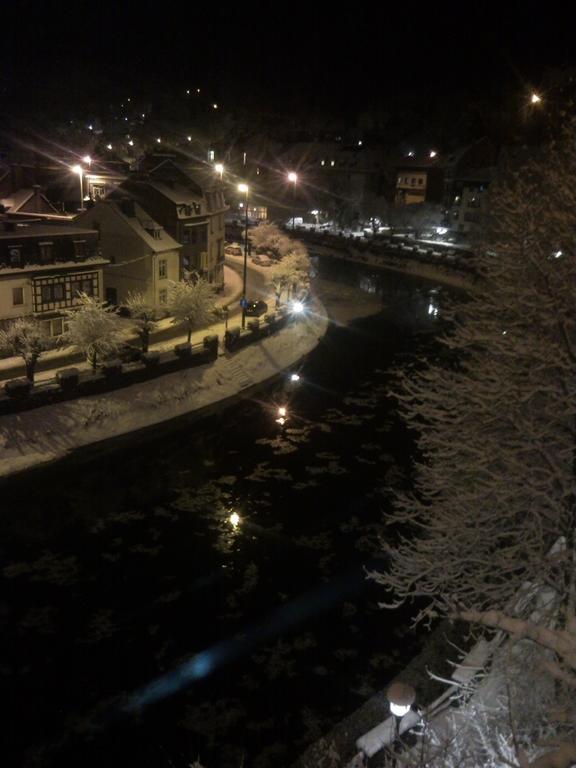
30, 368
145, 335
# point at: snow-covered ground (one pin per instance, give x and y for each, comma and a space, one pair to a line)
49, 433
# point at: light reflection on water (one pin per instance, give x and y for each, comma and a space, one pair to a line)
125, 580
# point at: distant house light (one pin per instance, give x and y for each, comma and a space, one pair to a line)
189, 138
214, 106
332, 163
211, 155
131, 143
159, 140
322, 162
433, 153
108, 146
411, 153
360, 143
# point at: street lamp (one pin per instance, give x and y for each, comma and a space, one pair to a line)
80, 171
87, 159
244, 188
400, 696
293, 178
219, 168
535, 99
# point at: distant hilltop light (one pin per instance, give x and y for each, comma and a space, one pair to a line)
189, 138
433, 153
360, 143
159, 140
131, 143
108, 146
411, 153
215, 106
534, 98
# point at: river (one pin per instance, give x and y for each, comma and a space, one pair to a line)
203, 594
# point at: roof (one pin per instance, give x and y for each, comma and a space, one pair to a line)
17, 199
140, 224
76, 266
45, 230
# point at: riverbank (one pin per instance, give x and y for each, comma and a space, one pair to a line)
47, 434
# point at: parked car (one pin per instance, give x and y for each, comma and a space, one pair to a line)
256, 308
233, 250
262, 260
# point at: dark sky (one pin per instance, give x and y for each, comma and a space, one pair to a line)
271, 56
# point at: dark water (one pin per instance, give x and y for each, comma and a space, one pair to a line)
118, 572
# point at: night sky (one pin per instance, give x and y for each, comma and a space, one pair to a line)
289, 58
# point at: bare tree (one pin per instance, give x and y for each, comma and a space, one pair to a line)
93, 327
191, 304
26, 338
490, 525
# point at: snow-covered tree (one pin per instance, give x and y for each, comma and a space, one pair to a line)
144, 314
191, 304
491, 523
292, 272
267, 235
26, 338
93, 327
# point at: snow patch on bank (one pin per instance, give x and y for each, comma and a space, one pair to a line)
45, 434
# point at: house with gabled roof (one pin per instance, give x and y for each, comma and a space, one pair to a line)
189, 203
143, 256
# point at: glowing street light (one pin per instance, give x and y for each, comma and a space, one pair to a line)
219, 168
234, 520
282, 411
87, 159
294, 377
158, 140
214, 106
400, 696
244, 189
534, 98
108, 146
297, 307
433, 153
80, 171
293, 179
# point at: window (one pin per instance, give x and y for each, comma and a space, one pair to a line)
185, 235
15, 253
57, 326
46, 294
45, 252
98, 192
80, 249
75, 288
162, 268
17, 296
88, 287
58, 291
156, 234
163, 296
420, 181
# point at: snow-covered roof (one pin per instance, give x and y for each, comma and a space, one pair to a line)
44, 230
177, 193
142, 224
77, 266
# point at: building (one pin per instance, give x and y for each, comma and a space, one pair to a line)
44, 268
189, 204
419, 180
468, 173
143, 257
29, 202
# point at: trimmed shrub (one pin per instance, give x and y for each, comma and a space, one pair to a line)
112, 368
231, 338
183, 350
68, 378
18, 388
150, 359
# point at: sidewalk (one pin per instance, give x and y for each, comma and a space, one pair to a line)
164, 337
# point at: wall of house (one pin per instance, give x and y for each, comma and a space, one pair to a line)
8, 310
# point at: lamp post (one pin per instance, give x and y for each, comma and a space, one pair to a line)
80, 171
400, 696
245, 189
293, 178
